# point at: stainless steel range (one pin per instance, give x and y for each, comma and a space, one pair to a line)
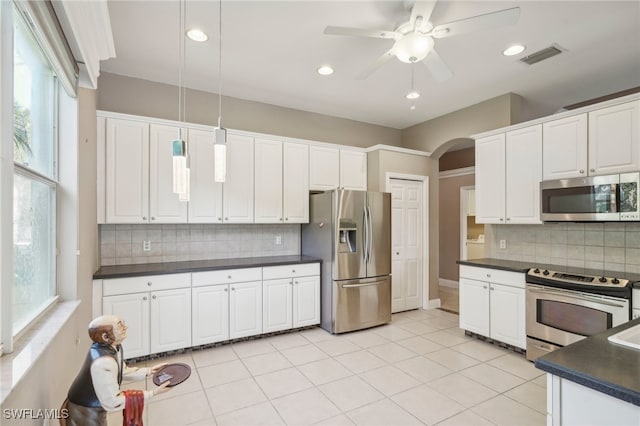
564, 307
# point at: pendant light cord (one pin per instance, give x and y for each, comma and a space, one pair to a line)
220, 68
181, 58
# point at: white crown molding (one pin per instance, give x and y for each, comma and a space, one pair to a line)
457, 172
392, 148
90, 26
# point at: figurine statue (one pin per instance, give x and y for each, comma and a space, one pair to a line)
96, 388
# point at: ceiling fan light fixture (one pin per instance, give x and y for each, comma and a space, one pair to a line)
513, 50
413, 47
325, 70
197, 35
412, 95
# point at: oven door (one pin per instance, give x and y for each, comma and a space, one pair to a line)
580, 199
562, 317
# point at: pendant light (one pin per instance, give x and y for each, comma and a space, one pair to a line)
220, 133
180, 149
413, 94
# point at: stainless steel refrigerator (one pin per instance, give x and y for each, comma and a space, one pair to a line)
351, 232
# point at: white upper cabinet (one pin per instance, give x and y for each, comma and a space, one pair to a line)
268, 181
238, 185
523, 175
490, 175
324, 168
614, 139
205, 204
353, 169
127, 171
164, 204
295, 198
564, 153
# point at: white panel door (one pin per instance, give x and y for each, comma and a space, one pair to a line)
490, 174
324, 168
474, 306
210, 305
507, 315
277, 305
614, 139
127, 171
238, 186
268, 181
306, 301
523, 175
133, 309
295, 198
205, 205
245, 309
353, 170
164, 205
170, 319
564, 148
406, 244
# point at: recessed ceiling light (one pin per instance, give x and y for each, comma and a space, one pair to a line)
325, 70
412, 95
513, 50
197, 35
412, 108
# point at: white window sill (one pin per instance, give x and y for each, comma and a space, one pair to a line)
31, 345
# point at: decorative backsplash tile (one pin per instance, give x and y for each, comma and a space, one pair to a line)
609, 246
123, 244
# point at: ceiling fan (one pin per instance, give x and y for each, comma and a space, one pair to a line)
414, 40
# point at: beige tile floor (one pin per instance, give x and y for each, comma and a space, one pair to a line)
420, 369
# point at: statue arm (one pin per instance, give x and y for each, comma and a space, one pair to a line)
104, 374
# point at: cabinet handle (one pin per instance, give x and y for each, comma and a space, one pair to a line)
296, 282
280, 219
226, 289
219, 219
501, 219
592, 170
154, 297
290, 282
153, 218
149, 283
226, 218
294, 271
286, 218
233, 288
508, 218
488, 275
581, 171
492, 288
144, 298
484, 286
144, 218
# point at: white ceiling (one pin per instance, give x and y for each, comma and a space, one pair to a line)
271, 49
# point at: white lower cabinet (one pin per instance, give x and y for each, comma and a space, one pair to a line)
134, 310
245, 309
210, 306
170, 315
277, 304
492, 304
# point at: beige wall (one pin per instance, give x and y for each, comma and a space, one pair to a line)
449, 227
458, 159
141, 97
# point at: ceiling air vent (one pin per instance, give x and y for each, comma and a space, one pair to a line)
543, 54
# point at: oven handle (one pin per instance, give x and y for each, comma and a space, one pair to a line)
577, 296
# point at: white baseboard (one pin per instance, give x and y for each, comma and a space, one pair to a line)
447, 283
433, 304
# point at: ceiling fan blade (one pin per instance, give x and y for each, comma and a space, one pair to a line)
359, 32
501, 18
437, 67
386, 57
423, 9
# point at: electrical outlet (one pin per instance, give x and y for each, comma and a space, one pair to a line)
278, 240
146, 246
503, 244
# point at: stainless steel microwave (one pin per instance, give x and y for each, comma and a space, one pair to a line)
595, 198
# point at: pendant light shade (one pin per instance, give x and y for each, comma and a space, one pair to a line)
179, 166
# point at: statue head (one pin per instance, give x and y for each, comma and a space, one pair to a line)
108, 329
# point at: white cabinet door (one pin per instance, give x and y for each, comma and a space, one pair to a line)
205, 205
474, 306
277, 305
245, 309
133, 309
490, 174
523, 175
170, 319
127, 171
324, 168
507, 315
306, 301
238, 186
268, 181
614, 139
164, 205
295, 183
564, 148
210, 305
353, 170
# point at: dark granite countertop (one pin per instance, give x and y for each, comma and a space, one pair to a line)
599, 364
122, 271
515, 266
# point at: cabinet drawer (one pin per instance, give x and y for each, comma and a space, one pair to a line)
226, 276
146, 283
286, 271
513, 279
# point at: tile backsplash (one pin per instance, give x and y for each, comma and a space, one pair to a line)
123, 244
609, 246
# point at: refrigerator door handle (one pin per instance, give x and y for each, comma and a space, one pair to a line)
369, 234
363, 285
365, 240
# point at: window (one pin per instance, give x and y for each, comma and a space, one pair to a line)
34, 181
